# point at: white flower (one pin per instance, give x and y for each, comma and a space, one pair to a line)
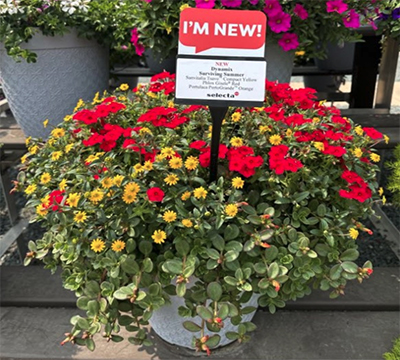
10, 7
70, 6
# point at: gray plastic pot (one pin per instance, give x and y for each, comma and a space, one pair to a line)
68, 68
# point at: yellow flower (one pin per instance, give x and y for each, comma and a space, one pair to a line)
28, 140
80, 216
122, 98
231, 210
151, 94
63, 184
275, 139
96, 98
171, 104
200, 192
168, 29
316, 120
236, 142
353, 233
40, 210
91, 158
79, 104
380, 191
186, 195
299, 53
358, 130
132, 188
24, 158
187, 223
375, 157
167, 152
138, 168
237, 183
117, 180
259, 109
45, 201
144, 130
73, 199
97, 245
357, 152
45, 123
56, 155
129, 198
68, 148
184, 6
45, 178
169, 216
96, 196
386, 139
289, 132
159, 236
383, 199
58, 132
51, 142
191, 163
319, 145
171, 179
67, 118
124, 87
30, 189
118, 245
263, 129
236, 116
175, 162
33, 149
148, 165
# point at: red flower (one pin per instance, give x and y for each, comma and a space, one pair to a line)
86, 116
204, 158
155, 194
198, 145
372, 133
337, 151
352, 177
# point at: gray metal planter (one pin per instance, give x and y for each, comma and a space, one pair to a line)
68, 68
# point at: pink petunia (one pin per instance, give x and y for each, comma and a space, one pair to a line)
352, 20
134, 36
254, 2
272, 7
139, 49
288, 41
301, 12
336, 5
205, 4
280, 22
231, 3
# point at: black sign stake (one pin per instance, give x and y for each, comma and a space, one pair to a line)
217, 116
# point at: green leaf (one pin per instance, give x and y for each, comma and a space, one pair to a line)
321, 210
93, 308
231, 232
350, 267
213, 254
301, 196
312, 254
250, 326
246, 287
116, 338
248, 210
90, 344
335, 272
218, 241
123, 293
92, 289
125, 320
231, 255
130, 266
213, 341
82, 323
230, 280
223, 311
211, 264
271, 253
282, 200
82, 302
255, 219
273, 270
232, 335
182, 247
173, 266
181, 289
203, 312
248, 310
260, 268
263, 283
145, 247
234, 245
350, 255
147, 265
214, 291
292, 233
191, 326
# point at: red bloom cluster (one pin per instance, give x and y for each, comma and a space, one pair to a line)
108, 106
162, 116
372, 133
358, 188
240, 159
56, 198
162, 82
280, 162
155, 194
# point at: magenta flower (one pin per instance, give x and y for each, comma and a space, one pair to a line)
124, 47
205, 4
139, 49
272, 7
301, 12
280, 22
148, 1
231, 3
352, 20
134, 36
254, 2
288, 41
336, 5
